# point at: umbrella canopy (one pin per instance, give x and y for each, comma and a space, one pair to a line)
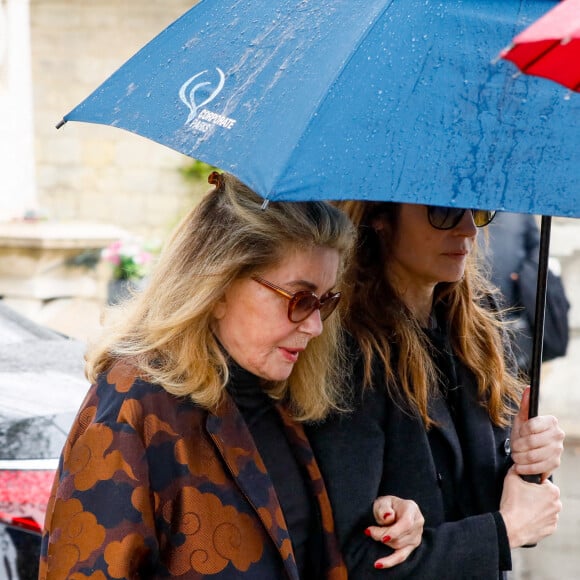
342, 99
550, 47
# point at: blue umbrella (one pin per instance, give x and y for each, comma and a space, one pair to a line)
373, 99
380, 99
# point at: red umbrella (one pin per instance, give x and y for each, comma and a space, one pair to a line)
550, 47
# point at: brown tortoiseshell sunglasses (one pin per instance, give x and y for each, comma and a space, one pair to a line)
303, 303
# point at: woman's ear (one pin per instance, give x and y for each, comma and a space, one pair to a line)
219, 310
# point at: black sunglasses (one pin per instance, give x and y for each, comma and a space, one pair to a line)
446, 218
303, 303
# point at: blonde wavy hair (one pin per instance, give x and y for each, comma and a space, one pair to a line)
165, 331
385, 328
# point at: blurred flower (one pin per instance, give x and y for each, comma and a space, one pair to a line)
130, 258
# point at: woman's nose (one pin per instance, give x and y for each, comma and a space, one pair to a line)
466, 227
312, 324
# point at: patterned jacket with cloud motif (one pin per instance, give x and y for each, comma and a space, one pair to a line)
150, 486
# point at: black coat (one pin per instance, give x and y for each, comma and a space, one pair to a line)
456, 480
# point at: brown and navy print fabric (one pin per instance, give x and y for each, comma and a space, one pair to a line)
151, 486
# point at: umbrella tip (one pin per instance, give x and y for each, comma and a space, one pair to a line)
502, 54
60, 123
264, 205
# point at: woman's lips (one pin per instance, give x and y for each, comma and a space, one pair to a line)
290, 354
457, 254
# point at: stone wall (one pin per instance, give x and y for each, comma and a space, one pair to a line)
91, 172
17, 172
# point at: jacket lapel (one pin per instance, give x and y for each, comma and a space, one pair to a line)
482, 451
335, 569
439, 412
237, 448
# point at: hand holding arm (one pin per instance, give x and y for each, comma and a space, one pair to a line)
399, 525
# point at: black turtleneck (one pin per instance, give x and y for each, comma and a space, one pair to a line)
287, 475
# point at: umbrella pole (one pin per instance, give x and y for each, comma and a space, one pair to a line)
540, 314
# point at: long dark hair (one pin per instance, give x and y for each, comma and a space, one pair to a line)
384, 327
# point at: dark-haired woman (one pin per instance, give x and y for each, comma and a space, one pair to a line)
436, 403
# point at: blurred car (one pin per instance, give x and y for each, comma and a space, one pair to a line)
41, 388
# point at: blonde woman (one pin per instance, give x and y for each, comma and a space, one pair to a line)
436, 415
188, 458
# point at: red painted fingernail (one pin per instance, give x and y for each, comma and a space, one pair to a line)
386, 515
378, 565
386, 539
367, 532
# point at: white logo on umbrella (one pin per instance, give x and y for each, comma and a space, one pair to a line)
201, 119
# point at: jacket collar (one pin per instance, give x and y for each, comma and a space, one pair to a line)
476, 454
237, 448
